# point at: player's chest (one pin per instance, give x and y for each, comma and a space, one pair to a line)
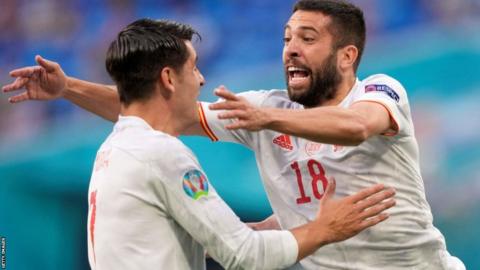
280, 150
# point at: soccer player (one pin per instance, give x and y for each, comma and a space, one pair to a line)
150, 204
327, 123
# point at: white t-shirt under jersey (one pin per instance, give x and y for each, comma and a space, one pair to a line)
295, 171
151, 207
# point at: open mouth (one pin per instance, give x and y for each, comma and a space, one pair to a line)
298, 77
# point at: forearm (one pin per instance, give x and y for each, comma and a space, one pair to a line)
309, 239
99, 99
331, 125
264, 250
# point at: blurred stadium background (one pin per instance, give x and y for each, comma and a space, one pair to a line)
47, 148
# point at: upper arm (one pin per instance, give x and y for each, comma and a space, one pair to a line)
375, 116
383, 102
187, 195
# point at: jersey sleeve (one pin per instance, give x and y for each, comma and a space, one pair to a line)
193, 203
215, 128
389, 93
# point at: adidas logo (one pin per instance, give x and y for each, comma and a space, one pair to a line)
284, 142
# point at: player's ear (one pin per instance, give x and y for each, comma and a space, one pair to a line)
167, 78
347, 56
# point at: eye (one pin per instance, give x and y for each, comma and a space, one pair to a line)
308, 39
286, 39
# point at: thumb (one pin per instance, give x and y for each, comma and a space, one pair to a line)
330, 191
48, 65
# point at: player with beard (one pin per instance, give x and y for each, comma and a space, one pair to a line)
328, 123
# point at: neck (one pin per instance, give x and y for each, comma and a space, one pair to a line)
343, 90
157, 113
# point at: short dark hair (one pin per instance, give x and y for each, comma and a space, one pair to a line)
347, 26
141, 50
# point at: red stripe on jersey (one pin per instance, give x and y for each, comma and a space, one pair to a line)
204, 124
93, 203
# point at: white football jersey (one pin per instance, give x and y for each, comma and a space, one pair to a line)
151, 207
295, 171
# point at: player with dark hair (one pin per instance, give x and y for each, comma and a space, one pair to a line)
327, 123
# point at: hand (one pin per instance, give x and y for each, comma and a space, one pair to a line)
344, 218
43, 82
245, 115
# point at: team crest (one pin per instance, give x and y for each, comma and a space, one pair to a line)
195, 184
311, 148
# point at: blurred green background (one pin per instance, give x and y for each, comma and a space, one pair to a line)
47, 148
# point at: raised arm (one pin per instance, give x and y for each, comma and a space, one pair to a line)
329, 124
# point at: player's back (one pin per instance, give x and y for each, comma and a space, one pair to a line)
129, 225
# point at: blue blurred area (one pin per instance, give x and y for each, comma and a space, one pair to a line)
47, 148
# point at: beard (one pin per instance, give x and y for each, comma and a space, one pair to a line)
323, 86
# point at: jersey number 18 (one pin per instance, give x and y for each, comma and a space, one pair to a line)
317, 172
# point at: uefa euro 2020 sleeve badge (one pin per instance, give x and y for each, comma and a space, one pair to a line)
195, 184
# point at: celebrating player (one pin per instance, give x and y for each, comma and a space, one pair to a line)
328, 123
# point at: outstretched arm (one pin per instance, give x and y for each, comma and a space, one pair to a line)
47, 81
210, 222
337, 220
329, 124
99, 99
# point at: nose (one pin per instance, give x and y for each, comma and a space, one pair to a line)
202, 79
291, 49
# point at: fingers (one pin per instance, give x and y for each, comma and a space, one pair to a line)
48, 65
373, 221
366, 192
25, 72
377, 209
232, 114
225, 94
330, 191
19, 98
376, 198
237, 125
226, 105
19, 83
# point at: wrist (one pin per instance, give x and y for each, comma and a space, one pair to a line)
271, 118
69, 90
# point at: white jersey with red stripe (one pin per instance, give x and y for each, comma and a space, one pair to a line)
151, 207
295, 171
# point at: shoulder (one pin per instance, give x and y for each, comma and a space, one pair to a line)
165, 156
382, 83
383, 79
149, 145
